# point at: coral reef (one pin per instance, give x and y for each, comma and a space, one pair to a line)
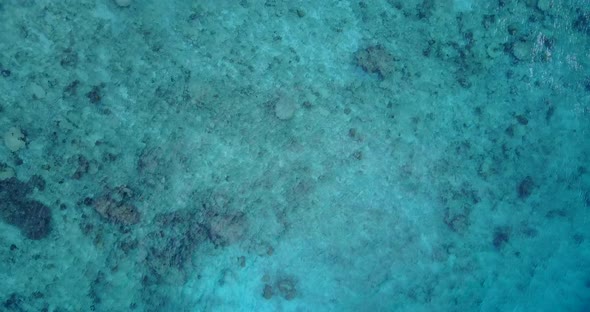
32, 217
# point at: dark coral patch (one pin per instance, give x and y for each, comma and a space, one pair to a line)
32, 217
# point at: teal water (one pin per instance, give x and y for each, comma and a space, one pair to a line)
416, 155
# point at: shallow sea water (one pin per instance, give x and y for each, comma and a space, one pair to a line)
294, 155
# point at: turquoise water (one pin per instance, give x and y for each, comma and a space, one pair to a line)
295, 155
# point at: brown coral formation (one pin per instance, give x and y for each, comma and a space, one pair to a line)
227, 228
115, 206
375, 59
